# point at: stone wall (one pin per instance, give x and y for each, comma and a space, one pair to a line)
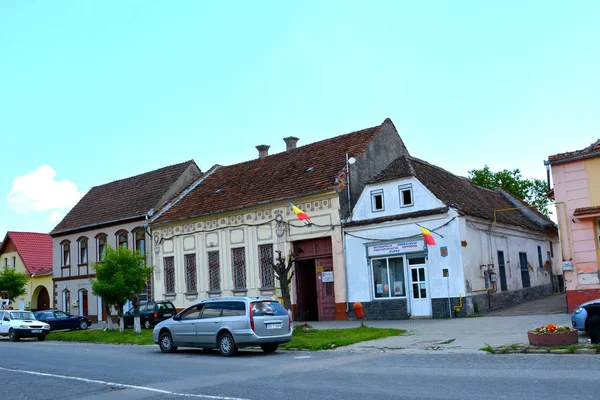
484, 301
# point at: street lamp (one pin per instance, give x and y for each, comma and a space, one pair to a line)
349, 161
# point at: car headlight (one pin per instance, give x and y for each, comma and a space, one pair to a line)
23, 326
46, 326
578, 310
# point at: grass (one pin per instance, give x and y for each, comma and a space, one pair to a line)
521, 348
302, 339
314, 339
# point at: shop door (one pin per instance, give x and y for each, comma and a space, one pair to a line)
325, 291
420, 302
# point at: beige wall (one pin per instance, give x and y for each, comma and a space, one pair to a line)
32, 285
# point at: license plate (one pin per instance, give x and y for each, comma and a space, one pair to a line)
166, 315
36, 331
273, 326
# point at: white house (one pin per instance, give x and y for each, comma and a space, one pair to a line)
489, 249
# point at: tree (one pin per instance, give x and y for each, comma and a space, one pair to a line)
120, 274
282, 268
12, 282
533, 191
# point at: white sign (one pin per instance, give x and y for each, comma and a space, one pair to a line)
327, 276
411, 246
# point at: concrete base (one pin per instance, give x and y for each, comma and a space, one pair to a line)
382, 310
486, 301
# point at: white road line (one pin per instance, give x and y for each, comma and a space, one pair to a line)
302, 357
122, 385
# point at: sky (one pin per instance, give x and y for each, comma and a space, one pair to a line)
92, 92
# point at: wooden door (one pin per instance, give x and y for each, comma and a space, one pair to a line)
325, 291
43, 302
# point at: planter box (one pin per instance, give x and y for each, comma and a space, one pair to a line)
553, 339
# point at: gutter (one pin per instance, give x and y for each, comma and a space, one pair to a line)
87, 227
581, 157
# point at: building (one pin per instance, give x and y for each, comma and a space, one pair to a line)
30, 253
220, 236
113, 214
490, 250
576, 177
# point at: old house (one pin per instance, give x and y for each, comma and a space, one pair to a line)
489, 249
576, 178
113, 214
220, 236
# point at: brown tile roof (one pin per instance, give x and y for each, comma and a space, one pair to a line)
304, 170
123, 199
397, 217
459, 192
580, 212
35, 250
593, 150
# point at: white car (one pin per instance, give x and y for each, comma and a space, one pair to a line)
17, 324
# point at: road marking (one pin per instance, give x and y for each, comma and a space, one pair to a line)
123, 385
302, 357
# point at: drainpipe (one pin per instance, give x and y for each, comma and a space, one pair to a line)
345, 266
148, 230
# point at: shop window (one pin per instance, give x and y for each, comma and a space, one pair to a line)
377, 200
406, 195
388, 277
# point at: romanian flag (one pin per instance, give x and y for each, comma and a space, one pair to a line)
302, 216
427, 236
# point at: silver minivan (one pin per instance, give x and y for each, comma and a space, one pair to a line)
226, 323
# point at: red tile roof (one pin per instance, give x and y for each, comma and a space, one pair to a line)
593, 150
123, 199
35, 250
301, 171
583, 211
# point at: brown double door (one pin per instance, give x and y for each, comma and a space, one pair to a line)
314, 280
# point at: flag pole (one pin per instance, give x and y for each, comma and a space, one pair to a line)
429, 230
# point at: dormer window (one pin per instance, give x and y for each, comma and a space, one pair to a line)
377, 200
406, 195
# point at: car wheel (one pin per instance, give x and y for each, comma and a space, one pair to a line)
269, 347
165, 342
147, 324
12, 336
83, 325
41, 338
227, 345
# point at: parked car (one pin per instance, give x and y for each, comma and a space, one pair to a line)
59, 320
579, 318
151, 313
227, 323
17, 324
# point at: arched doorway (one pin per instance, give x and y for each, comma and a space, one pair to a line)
43, 299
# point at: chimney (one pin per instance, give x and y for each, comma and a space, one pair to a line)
263, 150
290, 142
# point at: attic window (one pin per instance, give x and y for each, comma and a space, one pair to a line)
377, 200
309, 169
406, 196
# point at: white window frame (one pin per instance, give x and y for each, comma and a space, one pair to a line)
375, 193
403, 188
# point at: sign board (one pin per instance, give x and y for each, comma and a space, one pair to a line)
319, 269
444, 251
410, 246
445, 273
327, 276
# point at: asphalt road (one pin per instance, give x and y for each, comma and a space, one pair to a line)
54, 370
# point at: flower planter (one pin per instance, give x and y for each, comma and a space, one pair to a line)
553, 339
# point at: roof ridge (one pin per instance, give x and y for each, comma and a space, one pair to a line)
144, 173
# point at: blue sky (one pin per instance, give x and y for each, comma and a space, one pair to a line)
91, 92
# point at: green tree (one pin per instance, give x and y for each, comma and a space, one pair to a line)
12, 282
533, 191
121, 275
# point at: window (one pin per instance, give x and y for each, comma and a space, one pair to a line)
265, 252
388, 277
140, 241
122, 239
13, 262
67, 301
192, 313
540, 261
214, 271
190, 273
239, 268
377, 200
233, 309
83, 251
101, 247
406, 197
66, 253
211, 310
169, 263
6, 262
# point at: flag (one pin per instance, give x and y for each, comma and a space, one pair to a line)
302, 216
427, 236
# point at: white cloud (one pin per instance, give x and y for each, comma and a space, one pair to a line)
55, 216
39, 191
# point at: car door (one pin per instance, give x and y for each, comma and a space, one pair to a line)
62, 320
208, 324
3, 323
184, 327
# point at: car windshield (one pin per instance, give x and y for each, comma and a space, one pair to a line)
21, 315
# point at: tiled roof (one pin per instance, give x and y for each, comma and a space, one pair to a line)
579, 212
122, 199
592, 150
397, 217
35, 250
300, 171
459, 192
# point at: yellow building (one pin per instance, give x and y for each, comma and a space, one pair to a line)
29, 253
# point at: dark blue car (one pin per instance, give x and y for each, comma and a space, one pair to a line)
59, 320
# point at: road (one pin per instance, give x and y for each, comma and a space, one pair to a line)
55, 370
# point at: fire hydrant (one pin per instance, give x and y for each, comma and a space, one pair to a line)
359, 311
